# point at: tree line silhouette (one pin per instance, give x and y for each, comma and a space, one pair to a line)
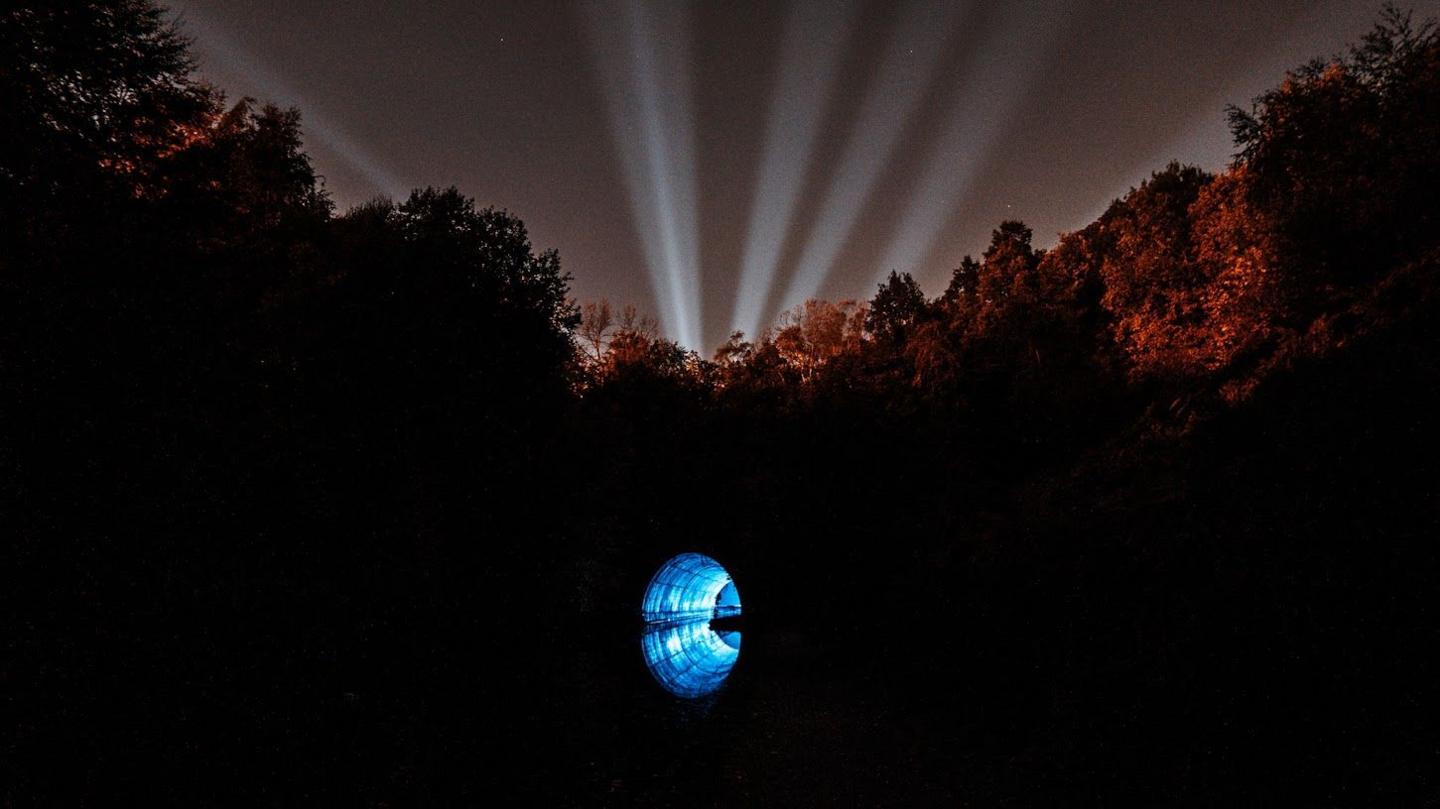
1147, 515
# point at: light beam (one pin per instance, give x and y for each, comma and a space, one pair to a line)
211, 39
891, 98
648, 100
1003, 67
815, 34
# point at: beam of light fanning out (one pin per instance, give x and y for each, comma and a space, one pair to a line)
891, 98
997, 78
815, 34
212, 40
643, 56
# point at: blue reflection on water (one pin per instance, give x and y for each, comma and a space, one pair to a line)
689, 658
682, 651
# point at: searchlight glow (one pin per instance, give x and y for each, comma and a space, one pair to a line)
910, 59
1001, 71
643, 56
212, 39
815, 35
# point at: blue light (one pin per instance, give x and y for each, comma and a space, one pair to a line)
682, 651
689, 658
688, 587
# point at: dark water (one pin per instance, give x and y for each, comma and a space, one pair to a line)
786, 722
1003, 700
803, 712
984, 689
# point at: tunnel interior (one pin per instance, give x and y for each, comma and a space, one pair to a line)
690, 586
682, 651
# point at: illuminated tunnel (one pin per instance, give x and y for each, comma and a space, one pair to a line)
684, 653
690, 586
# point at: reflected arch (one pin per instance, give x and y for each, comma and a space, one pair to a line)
689, 659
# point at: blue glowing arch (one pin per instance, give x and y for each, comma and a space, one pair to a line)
683, 652
690, 586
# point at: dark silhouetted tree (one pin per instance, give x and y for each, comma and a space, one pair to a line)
898, 304
964, 284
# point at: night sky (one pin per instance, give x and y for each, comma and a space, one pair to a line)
716, 163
